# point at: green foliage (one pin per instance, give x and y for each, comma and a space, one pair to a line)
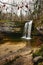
39, 52
5, 20
40, 63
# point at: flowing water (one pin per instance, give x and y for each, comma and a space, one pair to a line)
27, 30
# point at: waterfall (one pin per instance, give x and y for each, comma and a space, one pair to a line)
27, 30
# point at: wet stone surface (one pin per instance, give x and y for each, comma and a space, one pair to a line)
18, 52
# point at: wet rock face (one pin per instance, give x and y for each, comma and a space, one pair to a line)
9, 27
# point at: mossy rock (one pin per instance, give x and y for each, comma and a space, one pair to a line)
39, 52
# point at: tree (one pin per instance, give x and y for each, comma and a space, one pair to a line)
0, 12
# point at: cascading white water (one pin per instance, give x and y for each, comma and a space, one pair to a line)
27, 30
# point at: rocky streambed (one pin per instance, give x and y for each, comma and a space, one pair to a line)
21, 55
20, 52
